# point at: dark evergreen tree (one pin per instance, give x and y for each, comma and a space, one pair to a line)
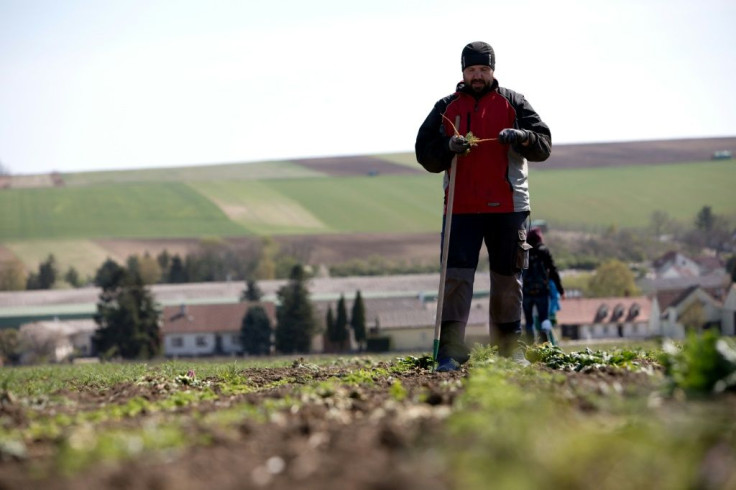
32, 281
72, 277
47, 273
704, 219
177, 273
164, 260
255, 332
731, 267
295, 315
342, 335
133, 264
127, 317
330, 324
109, 274
330, 345
46, 276
251, 292
357, 320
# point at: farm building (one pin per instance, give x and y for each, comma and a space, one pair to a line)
400, 309
678, 265
407, 323
693, 308
604, 318
206, 329
56, 341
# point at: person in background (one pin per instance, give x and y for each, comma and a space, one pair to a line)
491, 202
537, 279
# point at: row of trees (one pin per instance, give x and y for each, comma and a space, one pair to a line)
296, 320
216, 260
587, 251
296, 323
128, 316
338, 333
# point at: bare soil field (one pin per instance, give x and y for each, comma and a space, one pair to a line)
568, 156
6, 254
351, 436
356, 165
635, 153
563, 156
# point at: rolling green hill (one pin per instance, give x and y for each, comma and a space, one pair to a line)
285, 198
598, 197
165, 209
627, 196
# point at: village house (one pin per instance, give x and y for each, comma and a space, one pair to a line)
56, 341
700, 308
677, 265
607, 318
406, 324
206, 329
413, 329
205, 319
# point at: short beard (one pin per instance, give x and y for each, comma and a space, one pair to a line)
480, 90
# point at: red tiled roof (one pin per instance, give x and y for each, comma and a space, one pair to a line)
209, 318
583, 311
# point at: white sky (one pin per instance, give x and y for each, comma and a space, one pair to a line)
97, 85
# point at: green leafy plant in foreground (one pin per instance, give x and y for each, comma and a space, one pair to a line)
555, 358
704, 363
408, 363
526, 428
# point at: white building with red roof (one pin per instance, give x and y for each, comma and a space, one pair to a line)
206, 329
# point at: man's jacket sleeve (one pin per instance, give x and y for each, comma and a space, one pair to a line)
540, 144
432, 150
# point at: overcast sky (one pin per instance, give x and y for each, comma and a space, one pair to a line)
96, 85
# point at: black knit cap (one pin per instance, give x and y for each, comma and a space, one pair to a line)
478, 53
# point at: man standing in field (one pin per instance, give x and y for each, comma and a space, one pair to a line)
491, 203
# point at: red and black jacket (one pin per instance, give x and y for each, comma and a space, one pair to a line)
491, 178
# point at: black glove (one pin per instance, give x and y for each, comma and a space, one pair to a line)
510, 136
458, 144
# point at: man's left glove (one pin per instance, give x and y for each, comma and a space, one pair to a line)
510, 136
458, 144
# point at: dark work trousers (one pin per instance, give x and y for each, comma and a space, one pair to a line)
541, 301
505, 237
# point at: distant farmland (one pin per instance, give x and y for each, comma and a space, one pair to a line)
167, 209
388, 195
624, 196
627, 196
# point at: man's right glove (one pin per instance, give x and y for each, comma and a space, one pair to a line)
458, 144
510, 136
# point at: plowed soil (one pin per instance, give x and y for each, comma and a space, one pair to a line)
357, 436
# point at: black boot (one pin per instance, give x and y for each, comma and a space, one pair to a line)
508, 336
452, 343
